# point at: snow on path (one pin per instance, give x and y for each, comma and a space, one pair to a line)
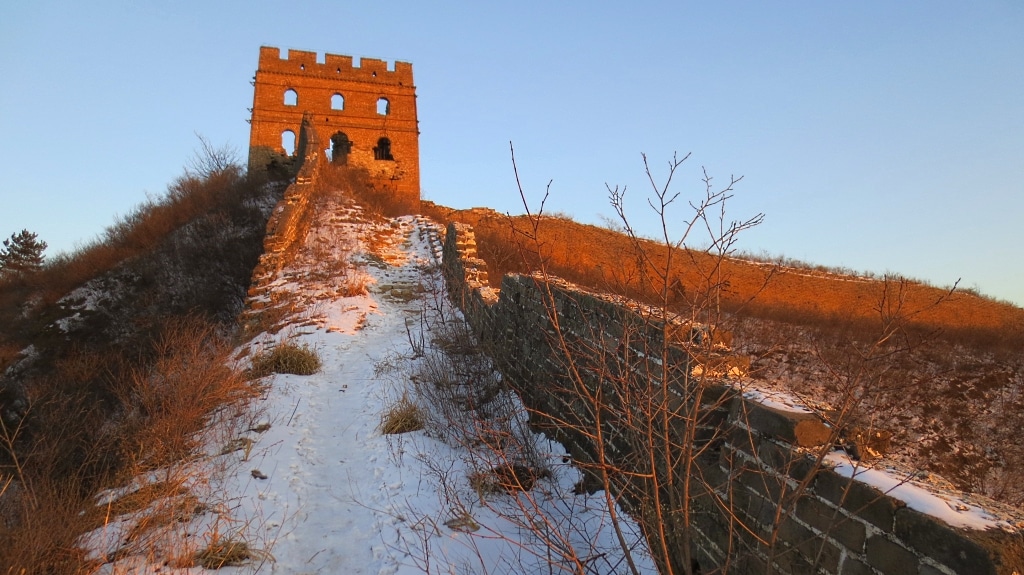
329, 482
321, 490
339, 496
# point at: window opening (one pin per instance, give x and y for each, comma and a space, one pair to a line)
337, 102
340, 148
288, 142
383, 107
383, 150
291, 97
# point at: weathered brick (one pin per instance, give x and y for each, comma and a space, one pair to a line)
947, 546
890, 558
848, 532
816, 551
752, 508
854, 566
858, 498
764, 482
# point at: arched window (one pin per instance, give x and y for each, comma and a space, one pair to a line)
291, 97
337, 102
288, 142
383, 107
340, 148
383, 150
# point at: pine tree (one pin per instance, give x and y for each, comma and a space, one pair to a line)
22, 253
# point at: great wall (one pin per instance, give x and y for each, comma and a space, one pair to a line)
764, 492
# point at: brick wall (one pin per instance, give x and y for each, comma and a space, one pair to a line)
742, 485
343, 99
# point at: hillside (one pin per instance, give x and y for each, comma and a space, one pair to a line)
124, 373
949, 388
593, 256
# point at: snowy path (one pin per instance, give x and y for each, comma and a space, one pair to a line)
330, 482
322, 490
340, 497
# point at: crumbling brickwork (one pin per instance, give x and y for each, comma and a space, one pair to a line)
365, 115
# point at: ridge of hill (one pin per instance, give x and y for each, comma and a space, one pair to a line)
592, 256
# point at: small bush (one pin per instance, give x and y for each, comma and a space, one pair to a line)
286, 357
402, 417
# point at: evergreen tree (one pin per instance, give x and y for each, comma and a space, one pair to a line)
22, 253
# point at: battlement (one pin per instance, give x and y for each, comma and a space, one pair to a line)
335, 66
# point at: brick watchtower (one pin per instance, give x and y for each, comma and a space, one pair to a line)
365, 114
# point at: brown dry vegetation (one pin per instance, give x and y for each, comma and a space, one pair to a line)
593, 257
951, 389
113, 358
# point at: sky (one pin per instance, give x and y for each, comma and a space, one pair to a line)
875, 136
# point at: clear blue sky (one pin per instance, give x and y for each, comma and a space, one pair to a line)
879, 136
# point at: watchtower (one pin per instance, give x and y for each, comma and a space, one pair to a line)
365, 114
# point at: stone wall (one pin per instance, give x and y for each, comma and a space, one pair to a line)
757, 496
290, 220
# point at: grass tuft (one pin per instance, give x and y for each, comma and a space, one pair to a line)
224, 554
402, 417
286, 357
506, 479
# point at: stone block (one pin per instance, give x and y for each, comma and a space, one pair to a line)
853, 566
890, 558
816, 551
858, 498
950, 547
849, 532
800, 429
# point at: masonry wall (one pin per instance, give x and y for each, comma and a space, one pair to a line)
357, 89
289, 222
759, 500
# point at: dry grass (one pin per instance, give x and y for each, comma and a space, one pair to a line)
593, 257
225, 553
379, 202
506, 479
404, 416
286, 357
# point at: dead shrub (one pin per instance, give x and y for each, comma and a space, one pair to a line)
171, 401
381, 202
39, 533
286, 357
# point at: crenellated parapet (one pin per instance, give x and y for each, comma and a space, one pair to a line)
334, 66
